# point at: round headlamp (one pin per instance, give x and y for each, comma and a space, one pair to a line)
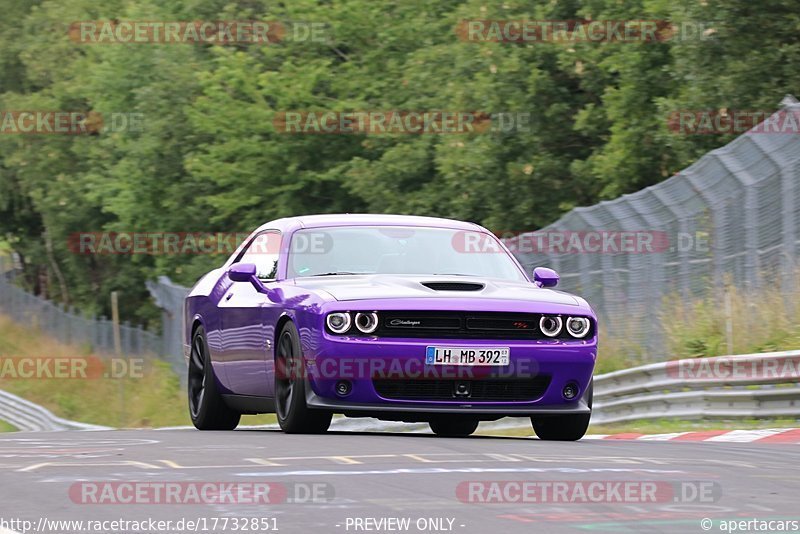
550, 325
338, 322
578, 326
367, 323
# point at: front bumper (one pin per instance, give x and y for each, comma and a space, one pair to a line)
355, 360
404, 411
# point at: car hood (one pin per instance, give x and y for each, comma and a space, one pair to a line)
366, 287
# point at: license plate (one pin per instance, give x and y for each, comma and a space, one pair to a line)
467, 356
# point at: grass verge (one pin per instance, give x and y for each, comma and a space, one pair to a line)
733, 320
152, 398
5, 427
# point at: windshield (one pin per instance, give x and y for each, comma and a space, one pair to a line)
399, 250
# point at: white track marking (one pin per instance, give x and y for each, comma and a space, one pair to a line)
123, 463
445, 470
746, 436
663, 437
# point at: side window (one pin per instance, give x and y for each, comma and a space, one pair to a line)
264, 251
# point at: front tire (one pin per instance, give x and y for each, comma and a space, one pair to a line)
564, 427
206, 407
294, 415
453, 428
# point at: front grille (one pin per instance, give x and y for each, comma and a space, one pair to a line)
463, 325
453, 286
485, 390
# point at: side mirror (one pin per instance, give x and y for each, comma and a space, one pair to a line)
544, 277
246, 272
242, 272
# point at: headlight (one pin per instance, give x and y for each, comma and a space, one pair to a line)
550, 325
339, 322
367, 322
578, 326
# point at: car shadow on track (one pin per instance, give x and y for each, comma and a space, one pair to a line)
394, 434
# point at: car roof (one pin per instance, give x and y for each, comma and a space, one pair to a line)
366, 219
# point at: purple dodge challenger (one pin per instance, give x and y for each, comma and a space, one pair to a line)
397, 317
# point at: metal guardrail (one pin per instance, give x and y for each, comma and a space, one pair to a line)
729, 387
27, 416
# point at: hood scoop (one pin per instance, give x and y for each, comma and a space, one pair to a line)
453, 286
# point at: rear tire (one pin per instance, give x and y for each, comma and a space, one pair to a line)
453, 428
206, 407
294, 415
564, 427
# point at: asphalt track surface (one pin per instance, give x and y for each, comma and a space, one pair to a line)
378, 476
